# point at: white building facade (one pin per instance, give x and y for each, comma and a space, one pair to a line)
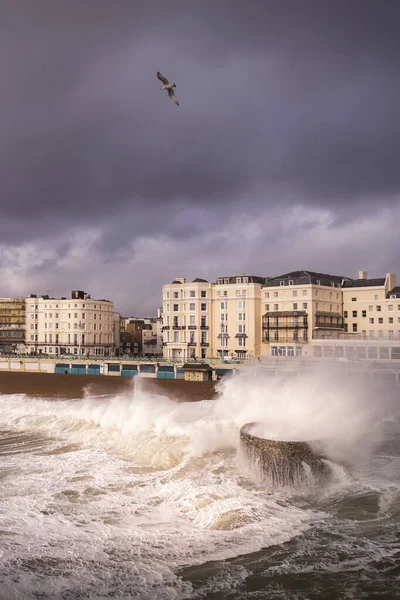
79, 325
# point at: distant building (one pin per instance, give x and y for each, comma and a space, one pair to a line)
298, 307
202, 319
79, 325
12, 325
141, 336
300, 313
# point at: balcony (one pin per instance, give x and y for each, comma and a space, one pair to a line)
166, 327
339, 334
292, 324
176, 327
290, 319
192, 326
204, 344
328, 325
204, 327
192, 344
286, 340
328, 320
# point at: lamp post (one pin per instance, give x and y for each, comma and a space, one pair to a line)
80, 327
222, 341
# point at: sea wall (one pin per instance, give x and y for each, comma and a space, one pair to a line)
103, 366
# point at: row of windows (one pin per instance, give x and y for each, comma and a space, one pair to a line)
240, 341
378, 308
379, 320
275, 335
203, 294
295, 306
89, 307
56, 350
351, 352
57, 316
276, 294
192, 307
225, 293
286, 350
192, 294
241, 316
49, 339
372, 332
75, 326
225, 280
182, 337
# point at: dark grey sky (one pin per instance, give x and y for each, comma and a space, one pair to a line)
283, 153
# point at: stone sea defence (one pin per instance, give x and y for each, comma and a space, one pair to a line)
280, 462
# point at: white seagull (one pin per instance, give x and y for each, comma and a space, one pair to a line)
168, 86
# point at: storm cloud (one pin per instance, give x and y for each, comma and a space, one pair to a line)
287, 136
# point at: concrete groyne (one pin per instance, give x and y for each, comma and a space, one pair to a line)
279, 461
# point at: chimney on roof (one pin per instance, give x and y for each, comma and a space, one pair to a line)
180, 279
362, 275
390, 282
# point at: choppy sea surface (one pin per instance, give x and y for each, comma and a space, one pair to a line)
137, 496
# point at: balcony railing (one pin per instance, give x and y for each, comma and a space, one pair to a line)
204, 327
286, 340
292, 324
204, 344
329, 325
192, 326
340, 335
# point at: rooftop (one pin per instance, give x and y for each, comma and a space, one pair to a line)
379, 282
309, 274
250, 278
394, 292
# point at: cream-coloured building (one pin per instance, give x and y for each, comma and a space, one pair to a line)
202, 319
236, 316
187, 318
78, 325
294, 314
371, 307
371, 314
299, 307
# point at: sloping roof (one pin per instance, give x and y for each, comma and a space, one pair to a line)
307, 274
394, 292
250, 279
199, 280
380, 282
322, 313
196, 367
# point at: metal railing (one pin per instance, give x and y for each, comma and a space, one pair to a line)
127, 358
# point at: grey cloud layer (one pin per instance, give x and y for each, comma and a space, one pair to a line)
281, 103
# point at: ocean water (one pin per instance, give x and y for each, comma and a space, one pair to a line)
136, 496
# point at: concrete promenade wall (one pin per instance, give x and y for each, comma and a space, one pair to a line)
110, 367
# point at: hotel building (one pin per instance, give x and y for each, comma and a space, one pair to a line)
78, 325
301, 313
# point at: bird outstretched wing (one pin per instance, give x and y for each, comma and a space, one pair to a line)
172, 96
162, 78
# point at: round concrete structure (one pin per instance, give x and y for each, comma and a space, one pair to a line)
281, 462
